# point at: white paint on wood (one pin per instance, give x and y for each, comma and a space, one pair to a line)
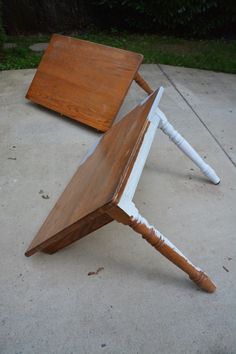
156, 101
133, 212
158, 119
137, 169
184, 146
136, 172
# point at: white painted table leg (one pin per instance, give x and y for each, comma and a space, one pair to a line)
167, 249
187, 149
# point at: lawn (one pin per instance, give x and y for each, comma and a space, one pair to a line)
217, 55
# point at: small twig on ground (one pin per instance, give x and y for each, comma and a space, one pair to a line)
97, 271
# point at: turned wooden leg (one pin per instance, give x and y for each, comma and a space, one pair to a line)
187, 149
167, 249
142, 83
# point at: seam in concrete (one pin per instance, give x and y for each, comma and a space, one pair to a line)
196, 114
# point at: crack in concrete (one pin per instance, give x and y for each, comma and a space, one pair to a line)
196, 114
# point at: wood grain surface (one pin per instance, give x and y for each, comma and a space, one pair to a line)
143, 84
98, 182
83, 80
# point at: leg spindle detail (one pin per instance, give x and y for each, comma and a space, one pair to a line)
187, 149
167, 249
142, 83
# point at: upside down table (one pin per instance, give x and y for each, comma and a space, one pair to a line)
103, 187
85, 81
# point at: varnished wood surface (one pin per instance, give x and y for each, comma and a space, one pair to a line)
80, 229
195, 274
84, 80
98, 182
142, 83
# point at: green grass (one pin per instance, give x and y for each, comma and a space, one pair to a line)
217, 55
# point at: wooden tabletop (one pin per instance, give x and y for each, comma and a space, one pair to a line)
83, 80
98, 182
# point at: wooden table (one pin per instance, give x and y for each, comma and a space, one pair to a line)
85, 81
103, 187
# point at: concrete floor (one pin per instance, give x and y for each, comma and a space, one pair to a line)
140, 302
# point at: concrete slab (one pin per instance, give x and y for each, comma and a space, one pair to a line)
211, 96
139, 303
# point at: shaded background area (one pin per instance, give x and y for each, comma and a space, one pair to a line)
187, 18
197, 34
46, 16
